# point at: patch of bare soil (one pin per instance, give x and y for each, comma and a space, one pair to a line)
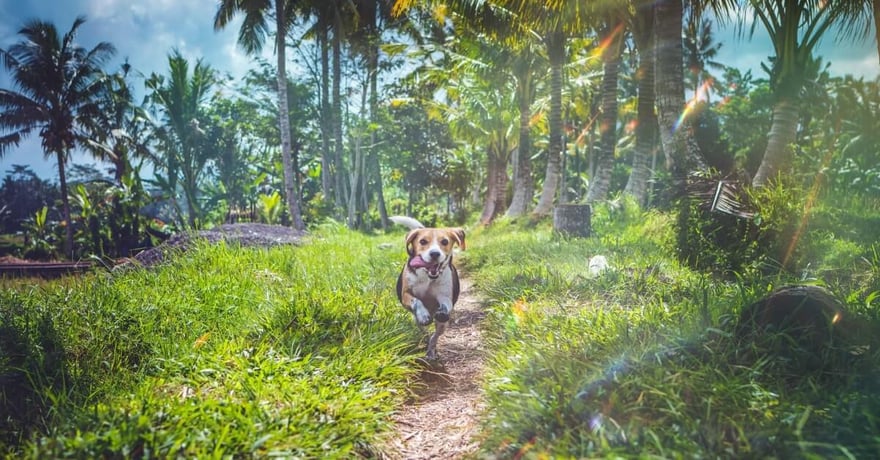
244, 234
441, 419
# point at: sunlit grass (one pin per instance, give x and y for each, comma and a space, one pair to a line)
298, 352
642, 361
304, 352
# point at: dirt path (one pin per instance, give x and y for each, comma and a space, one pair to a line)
441, 420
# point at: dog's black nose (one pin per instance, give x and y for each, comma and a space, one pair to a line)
435, 254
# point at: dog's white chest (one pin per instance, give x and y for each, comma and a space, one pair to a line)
430, 290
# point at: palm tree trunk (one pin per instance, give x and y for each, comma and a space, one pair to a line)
326, 116
591, 144
121, 165
356, 177
284, 119
373, 156
496, 184
380, 192
646, 128
556, 53
189, 193
65, 206
522, 180
600, 184
357, 193
337, 121
779, 154
563, 185
682, 152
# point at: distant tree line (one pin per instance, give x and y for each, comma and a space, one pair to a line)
434, 109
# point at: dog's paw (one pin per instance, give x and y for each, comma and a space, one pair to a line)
423, 317
442, 314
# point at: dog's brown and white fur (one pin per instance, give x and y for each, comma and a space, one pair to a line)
428, 285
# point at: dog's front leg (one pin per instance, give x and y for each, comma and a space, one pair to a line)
418, 309
420, 312
439, 328
444, 311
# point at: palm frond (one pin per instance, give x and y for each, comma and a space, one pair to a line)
255, 24
9, 141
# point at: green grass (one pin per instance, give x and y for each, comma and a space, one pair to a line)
642, 361
225, 352
304, 352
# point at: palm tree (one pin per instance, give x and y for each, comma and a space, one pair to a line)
481, 112
118, 132
180, 100
795, 28
499, 25
611, 45
58, 84
682, 152
555, 22
336, 25
646, 125
373, 16
555, 43
524, 65
700, 52
119, 135
322, 16
251, 37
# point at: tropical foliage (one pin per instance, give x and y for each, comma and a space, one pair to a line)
59, 86
588, 129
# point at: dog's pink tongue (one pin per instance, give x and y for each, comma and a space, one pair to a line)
417, 262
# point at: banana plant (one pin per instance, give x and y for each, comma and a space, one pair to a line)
270, 207
38, 236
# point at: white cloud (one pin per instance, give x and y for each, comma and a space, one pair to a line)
866, 66
99, 10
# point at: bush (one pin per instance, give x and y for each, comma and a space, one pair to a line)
724, 244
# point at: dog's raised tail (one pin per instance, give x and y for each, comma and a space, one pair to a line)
409, 222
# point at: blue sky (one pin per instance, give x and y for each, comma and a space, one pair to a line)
146, 30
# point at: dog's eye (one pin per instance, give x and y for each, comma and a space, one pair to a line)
444, 242
423, 241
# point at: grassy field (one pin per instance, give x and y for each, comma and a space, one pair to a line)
642, 360
304, 352
298, 352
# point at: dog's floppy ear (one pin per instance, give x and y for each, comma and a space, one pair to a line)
457, 235
410, 241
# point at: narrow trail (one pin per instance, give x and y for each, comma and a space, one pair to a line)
441, 419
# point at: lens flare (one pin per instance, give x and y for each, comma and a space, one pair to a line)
607, 41
701, 95
811, 197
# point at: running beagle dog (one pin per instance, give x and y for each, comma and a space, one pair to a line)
428, 285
